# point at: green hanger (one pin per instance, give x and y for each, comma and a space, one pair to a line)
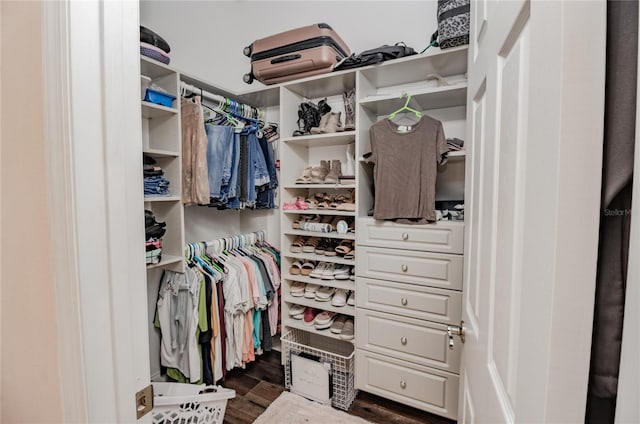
405, 108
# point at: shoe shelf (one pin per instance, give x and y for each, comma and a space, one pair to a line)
332, 212
162, 199
159, 153
331, 139
297, 323
320, 258
458, 154
338, 284
422, 99
324, 186
348, 236
325, 306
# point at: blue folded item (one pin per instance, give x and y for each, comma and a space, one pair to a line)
156, 186
159, 98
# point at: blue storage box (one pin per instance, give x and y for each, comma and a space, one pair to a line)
159, 98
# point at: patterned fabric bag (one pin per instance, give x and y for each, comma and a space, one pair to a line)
453, 23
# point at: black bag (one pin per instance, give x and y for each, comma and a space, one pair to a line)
150, 37
453, 23
373, 56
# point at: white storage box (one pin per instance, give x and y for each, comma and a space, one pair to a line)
189, 403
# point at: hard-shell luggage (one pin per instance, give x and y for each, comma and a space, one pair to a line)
293, 54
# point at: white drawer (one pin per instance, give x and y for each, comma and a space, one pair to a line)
420, 387
426, 303
421, 342
424, 268
442, 236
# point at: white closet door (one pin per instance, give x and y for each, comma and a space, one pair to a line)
536, 101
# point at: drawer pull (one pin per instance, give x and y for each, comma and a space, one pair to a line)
405, 236
405, 268
403, 340
403, 384
404, 301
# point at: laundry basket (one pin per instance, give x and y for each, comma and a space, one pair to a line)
178, 403
340, 354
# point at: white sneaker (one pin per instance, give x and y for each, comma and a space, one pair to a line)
339, 298
351, 300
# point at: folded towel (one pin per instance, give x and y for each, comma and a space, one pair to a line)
154, 55
152, 47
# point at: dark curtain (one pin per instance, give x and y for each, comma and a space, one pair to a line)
617, 177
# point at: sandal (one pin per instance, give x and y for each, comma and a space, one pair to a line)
305, 177
310, 245
351, 255
297, 245
331, 249
322, 247
295, 268
306, 268
344, 247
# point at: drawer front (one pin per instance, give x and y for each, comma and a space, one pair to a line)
442, 237
407, 266
420, 387
421, 342
426, 303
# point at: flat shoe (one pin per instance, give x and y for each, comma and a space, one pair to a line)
307, 268
339, 298
295, 268
327, 273
324, 319
297, 289
347, 330
324, 294
338, 323
296, 310
351, 300
317, 272
309, 316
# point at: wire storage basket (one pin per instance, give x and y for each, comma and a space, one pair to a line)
178, 403
340, 354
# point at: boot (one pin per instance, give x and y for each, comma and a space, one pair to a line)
318, 173
349, 98
350, 166
323, 123
333, 124
324, 107
333, 177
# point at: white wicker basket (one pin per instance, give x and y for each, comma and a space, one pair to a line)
175, 403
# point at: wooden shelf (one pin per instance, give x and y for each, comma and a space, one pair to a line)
162, 199
318, 212
152, 110
339, 284
159, 153
325, 306
325, 85
154, 69
297, 323
320, 258
166, 260
348, 236
424, 99
321, 140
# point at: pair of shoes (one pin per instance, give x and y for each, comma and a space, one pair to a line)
299, 204
308, 117
323, 270
343, 297
327, 172
301, 268
329, 123
343, 325
345, 247
297, 311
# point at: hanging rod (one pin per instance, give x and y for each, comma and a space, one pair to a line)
222, 100
235, 241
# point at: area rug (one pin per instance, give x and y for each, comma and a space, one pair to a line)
289, 408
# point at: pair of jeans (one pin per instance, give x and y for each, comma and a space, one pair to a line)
230, 189
219, 158
266, 198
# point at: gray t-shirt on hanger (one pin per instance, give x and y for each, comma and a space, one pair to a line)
405, 168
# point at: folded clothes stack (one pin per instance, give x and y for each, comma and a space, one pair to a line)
153, 231
154, 46
155, 184
455, 144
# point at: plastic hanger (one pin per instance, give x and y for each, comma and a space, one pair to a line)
405, 108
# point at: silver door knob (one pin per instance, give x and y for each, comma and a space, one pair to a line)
405, 268
404, 301
403, 384
403, 340
405, 236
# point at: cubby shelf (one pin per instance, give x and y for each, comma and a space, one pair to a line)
423, 99
166, 260
152, 110
325, 186
318, 212
159, 153
161, 199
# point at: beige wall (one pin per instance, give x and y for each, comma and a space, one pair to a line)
30, 390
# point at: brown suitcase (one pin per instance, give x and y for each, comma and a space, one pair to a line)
293, 54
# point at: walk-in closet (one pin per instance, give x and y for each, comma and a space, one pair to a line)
320, 211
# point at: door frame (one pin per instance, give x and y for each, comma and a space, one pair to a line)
92, 127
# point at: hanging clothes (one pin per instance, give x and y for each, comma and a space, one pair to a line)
226, 303
195, 178
405, 162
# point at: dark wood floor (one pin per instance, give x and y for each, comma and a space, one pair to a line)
263, 381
